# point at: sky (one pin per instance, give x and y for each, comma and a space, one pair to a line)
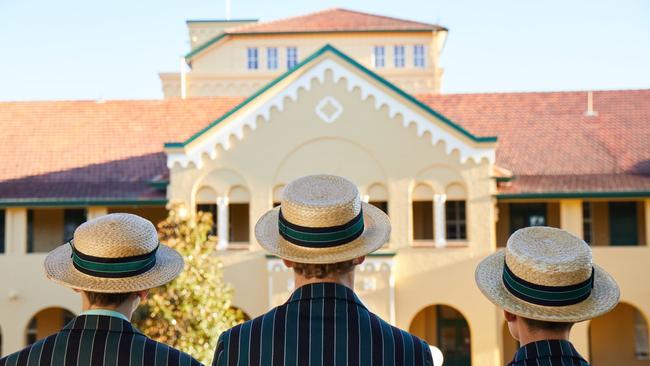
89, 49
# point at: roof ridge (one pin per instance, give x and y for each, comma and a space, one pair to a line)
245, 26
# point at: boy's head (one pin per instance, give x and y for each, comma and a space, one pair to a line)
518, 325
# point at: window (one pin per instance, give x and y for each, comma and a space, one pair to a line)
455, 220
527, 214
587, 222
72, 218
2, 231
210, 208
418, 56
379, 57
272, 58
422, 212
252, 58
292, 57
398, 56
378, 196
623, 223
238, 215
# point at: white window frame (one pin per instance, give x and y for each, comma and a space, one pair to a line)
292, 57
419, 56
379, 58
399, 58
252, 58
272, 58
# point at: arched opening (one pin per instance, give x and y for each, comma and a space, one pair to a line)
45, 323
446, 328
378, 196
509, 345
422, 207
455, 212
206, 201
623, 330
238, 214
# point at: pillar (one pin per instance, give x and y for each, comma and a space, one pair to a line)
439, 220
571, 217
222, 223
16, 230
94, 212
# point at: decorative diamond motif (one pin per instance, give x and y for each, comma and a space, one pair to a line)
329, 109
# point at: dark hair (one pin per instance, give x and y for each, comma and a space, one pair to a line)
541, 325
321, 271
100, 298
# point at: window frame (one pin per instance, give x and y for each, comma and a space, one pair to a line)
252, 58
379, 56
399, 58
419, 59
272, 58
292, 57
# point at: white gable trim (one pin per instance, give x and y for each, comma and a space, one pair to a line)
227, 128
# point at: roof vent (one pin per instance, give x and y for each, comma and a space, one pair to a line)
590, 105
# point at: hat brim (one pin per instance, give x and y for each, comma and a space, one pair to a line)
59, 268
604, 296
375, 234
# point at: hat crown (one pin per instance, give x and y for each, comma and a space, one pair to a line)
320, 201
116, 235
548, 256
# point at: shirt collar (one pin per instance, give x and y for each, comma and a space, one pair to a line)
101, 322
546, 349
106, 312
325, 290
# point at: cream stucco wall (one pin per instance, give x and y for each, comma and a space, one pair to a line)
221, 69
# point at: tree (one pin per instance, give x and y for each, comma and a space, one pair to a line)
190, 312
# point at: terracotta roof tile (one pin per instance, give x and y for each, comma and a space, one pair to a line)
85, 149
334, 20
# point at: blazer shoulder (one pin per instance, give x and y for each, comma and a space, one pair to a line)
13, 358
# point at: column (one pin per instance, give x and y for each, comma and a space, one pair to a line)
94, 212
571, 217
16, 231
439, 220
222, 223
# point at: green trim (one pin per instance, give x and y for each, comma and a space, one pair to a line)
210, 42
503, 179
53, 202
548, 195
204, 46
381, 80
160, 185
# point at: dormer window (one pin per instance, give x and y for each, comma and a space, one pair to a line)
398, 56
292, 57
379, 57
419, 59
272, 58
252, 62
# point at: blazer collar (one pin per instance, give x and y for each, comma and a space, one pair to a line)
325, 290
546, 349
101, 323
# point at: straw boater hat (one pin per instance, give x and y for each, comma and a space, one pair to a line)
547, 274
114, 253
321, 219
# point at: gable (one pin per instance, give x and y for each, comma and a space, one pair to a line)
341, 67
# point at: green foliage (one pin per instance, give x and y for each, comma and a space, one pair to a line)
190, 312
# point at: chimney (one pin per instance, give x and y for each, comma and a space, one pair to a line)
590, 105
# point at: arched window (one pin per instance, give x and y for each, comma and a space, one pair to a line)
456, 212
206, 201
446, 328
625, 330
238, 214
45, 323
277, 195
378, 197
422, 212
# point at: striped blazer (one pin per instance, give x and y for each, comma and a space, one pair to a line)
98, 340
548, 353
321, 324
